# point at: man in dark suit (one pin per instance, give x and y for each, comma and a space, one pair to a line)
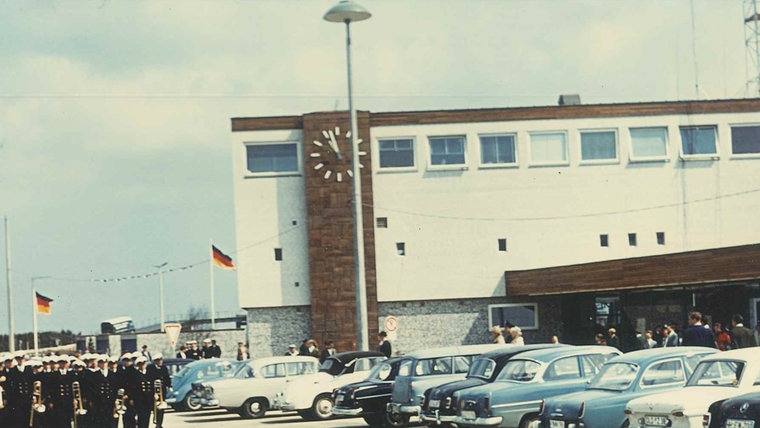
741, 336
696, 334
384, 346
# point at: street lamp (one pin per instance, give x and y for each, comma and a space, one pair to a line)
346, 12
161, 290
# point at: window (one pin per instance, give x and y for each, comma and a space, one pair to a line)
462, 363
497, 149
632, 239
564, 368
592, 363
598, 145
278, 157
698, 141
649, 143
548, 148
382, 222
666, 372
401, 248
604, 240
278, 254
745, 140
397, 153
433, 366
502, 244
523, 315
273, 370
660, 238
446, 150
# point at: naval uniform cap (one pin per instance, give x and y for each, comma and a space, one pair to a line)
158, 356
113, 359
127, 356
141, 360
78, 363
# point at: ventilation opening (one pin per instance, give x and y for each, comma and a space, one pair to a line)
604, 241
502, 244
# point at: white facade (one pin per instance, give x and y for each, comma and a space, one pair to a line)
450, 218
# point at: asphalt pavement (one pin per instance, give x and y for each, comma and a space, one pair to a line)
221, 418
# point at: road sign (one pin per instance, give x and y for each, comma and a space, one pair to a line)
172, 332
391, 324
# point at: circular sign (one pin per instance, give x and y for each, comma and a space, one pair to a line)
391, 324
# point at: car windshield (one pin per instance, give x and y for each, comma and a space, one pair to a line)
615, 376
717, 373
380, 372
482, 368
332, 366
244, 371
222, 369
183, 372
519, 371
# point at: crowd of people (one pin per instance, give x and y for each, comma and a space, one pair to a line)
56, 390
190, 350
310, 347
512, 335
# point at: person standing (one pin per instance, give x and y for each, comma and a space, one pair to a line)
722, 339
216, 351
613, 340
158, 371
242, 353
328, 351
384, 346
145, 353
671, 337
496, 336
516, 333
649, 340
742, 336
140, 392
696, 334
182, 352
292, 350
206, 351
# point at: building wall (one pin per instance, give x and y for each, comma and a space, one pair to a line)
158, 342
271, 330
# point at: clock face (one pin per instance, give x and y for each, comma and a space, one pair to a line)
330, 162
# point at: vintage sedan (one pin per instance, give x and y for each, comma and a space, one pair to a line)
422, 370
717, 377
440, 407
252, 390
181, 397
738, 412
514, 398
369, 397
311, 396
622, 379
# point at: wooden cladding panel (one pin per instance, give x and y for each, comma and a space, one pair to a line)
694, 267
331, 233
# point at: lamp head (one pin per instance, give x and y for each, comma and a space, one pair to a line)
347, 11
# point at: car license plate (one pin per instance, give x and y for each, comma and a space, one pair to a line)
736, 423
556, 424
657, 421
434, 404
339, 398
468, 414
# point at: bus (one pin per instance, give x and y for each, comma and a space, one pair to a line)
117, 325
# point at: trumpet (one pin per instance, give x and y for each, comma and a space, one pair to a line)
79, 409
158, 399
118, 405
37, 405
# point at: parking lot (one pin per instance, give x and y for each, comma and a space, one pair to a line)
216, 417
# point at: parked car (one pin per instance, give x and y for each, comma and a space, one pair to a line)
422, 370
369, 397
514, 398
311, 396
742, 411
621, 379
717, 377
181, 396
252, 390
439, 405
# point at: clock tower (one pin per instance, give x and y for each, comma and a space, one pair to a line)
329, 188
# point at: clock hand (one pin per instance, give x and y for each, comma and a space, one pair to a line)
334, 145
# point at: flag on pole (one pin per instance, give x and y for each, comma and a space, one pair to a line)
221, 260
43, 303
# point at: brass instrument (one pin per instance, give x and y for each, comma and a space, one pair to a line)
2, 379
37, 405
119, 408
158, 399
79, 409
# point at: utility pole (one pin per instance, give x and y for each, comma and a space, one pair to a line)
11, 335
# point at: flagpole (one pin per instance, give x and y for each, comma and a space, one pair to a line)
11, 334
34, 311
211, 275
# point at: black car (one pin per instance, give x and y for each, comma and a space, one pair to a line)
742, 411
368, 398
439, 406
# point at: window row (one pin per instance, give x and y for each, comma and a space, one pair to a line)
604, 239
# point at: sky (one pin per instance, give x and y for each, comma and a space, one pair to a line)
115, 142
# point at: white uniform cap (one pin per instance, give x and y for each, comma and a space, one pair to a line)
113, 359
5, 356
78, 363
141, 360
34, 363
206, 340
158, 356
135, 355
127, 356
87, 356
21, 354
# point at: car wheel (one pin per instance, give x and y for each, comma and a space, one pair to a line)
322, 407
253, 408
189, 404
373, 419
529, 421
626, 424
395, 420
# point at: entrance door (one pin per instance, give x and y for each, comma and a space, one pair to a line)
577, 319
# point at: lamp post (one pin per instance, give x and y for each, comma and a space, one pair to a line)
346, 12
34, 306
161, 291
11, 331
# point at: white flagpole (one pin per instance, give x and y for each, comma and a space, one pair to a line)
34, 311
211, 275
11, 330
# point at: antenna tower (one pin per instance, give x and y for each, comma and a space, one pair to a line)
752, 48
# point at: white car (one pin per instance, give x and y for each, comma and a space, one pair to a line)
252, 390
716, 377
311, 395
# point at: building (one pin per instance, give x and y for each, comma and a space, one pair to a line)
559, 219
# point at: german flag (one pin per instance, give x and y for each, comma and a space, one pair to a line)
43, 303
221, 260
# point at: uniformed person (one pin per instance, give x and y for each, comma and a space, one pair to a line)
63, 399
140, 391
5, 365
101, 397
19, 398
158, 371
125, 374
38, 375
115, 383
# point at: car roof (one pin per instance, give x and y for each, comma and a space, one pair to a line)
549, 354
454, 350
283, 359
209, 362
646, 356
346, 357
516, 349
747, 354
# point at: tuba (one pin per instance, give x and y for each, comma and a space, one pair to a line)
79, 409
158, 399
37, 405
119, 408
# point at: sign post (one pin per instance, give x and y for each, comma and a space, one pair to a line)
391, 327
172, 332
